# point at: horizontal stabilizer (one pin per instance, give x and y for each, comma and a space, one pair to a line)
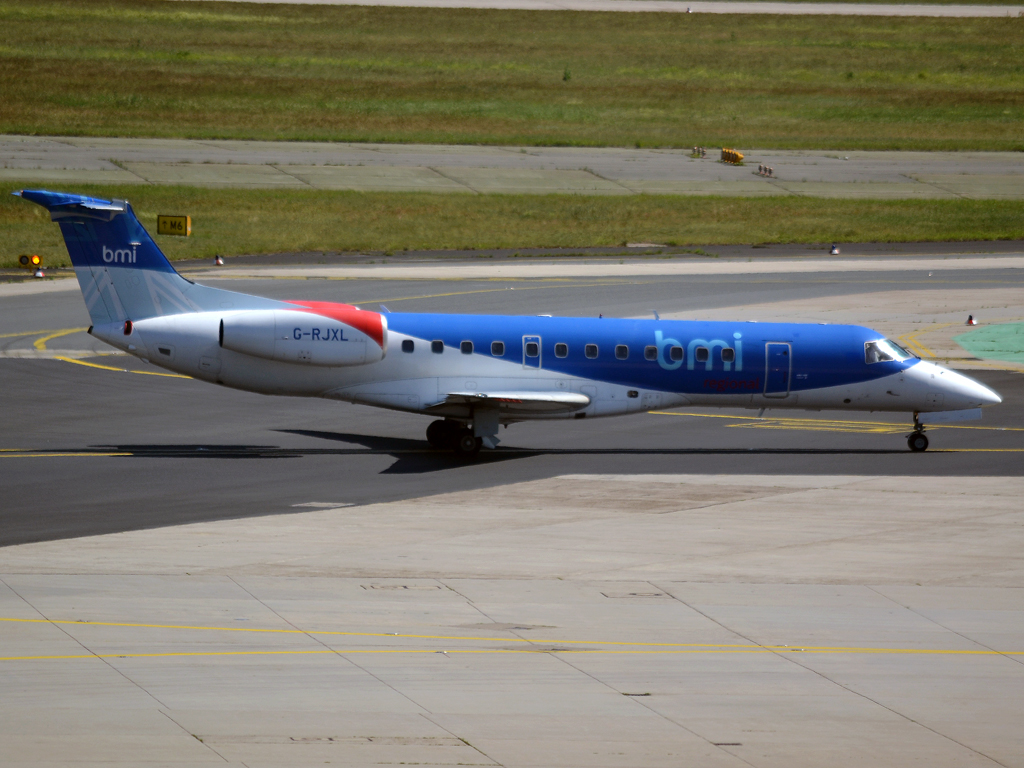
55, 201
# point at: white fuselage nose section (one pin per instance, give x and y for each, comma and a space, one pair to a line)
934, 388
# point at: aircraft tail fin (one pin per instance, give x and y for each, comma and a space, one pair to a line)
122, 272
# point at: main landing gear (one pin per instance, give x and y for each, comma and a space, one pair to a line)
916, 440
449, 435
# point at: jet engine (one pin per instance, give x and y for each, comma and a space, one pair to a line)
295, 336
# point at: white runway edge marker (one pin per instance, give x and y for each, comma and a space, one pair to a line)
672, 6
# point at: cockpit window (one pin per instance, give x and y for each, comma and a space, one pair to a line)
884, 351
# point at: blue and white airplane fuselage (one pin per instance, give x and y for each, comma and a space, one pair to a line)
477, 372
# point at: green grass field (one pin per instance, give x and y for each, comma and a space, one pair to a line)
231, 70
235, 221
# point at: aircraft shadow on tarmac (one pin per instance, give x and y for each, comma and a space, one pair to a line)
416, 457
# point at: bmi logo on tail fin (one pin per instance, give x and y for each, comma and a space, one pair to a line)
121, 255
122, 272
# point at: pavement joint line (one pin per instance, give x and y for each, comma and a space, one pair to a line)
277, 167
675, 647
444, 175
939, 187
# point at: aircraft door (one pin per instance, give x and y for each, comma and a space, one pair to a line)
778, 369
531, 351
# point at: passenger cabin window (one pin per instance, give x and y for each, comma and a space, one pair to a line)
437, 347
621, 351
532, 349
884, 351
590, 351
561, 350
498, 348
700, 354
676, 353
728, 355
650, 353
466, 347
408, 345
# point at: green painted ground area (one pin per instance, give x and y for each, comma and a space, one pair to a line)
995, 342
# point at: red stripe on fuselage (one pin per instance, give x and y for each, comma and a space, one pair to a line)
367, 322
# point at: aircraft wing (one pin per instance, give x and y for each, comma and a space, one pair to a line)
512, 403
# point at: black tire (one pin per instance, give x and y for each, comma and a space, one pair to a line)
438, 435
466, 445
443, 434
917, 442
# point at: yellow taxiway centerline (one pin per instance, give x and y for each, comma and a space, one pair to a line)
911, 340
25, 455
787, 422
533, 651
31, 333
120, 370
40, 343
611, 646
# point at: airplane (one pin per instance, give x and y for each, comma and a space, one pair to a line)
476, 373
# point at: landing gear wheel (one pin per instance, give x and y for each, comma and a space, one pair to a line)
467, 445
917, 442
443, 434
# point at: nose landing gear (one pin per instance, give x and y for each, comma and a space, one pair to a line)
916, 440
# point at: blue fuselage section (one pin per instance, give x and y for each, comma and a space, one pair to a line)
687, 356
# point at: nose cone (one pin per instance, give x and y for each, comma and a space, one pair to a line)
965, 388
988, 396
957, 391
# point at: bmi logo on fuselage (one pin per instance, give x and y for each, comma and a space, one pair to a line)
688, 355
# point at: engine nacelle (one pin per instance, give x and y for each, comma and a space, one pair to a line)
293, 336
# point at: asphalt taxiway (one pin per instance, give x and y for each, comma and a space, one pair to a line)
69, 160
192, 576
88, 421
